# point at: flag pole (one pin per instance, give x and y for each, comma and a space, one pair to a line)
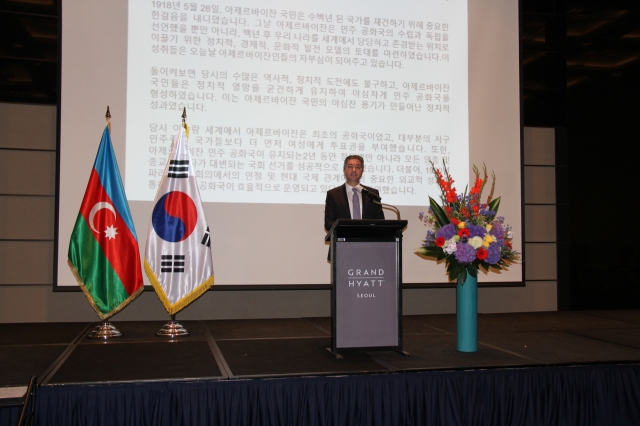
105, 330
173, 328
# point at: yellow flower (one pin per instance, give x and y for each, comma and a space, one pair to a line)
488, 239
488, 227
461, 225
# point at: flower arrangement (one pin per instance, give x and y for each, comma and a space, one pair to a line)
467, 233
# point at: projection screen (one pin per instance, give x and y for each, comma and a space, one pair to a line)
277, 93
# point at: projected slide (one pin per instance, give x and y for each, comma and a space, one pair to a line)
279, 92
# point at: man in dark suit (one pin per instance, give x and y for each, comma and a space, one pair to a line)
341, 200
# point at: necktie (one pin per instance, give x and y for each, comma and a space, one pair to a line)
356, 205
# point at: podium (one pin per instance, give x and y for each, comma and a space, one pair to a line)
366, 284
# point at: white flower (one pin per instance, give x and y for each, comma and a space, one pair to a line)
510, 235
475, 242
450, 247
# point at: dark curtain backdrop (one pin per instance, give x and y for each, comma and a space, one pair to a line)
581, 75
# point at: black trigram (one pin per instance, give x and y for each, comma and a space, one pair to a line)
206, 240
172, 263
178, 169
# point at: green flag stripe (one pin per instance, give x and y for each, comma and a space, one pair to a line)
95, 271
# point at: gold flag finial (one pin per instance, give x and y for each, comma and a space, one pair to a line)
107, 116
184, 121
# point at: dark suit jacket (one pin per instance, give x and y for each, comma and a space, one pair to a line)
337, 206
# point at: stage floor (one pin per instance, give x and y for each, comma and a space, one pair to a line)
60, 353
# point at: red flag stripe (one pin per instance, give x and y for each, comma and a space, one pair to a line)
121, 251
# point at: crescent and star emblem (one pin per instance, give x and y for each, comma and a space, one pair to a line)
110, 232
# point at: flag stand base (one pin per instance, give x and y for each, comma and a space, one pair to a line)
105, 331
172, 329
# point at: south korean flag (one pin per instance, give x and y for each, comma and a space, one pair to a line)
178, 252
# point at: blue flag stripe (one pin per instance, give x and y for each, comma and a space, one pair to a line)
107, 168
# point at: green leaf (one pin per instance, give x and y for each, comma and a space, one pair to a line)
441, 217
431, 251
434, 250
454, 269
451, 264
473, 271
494, 205
422, 250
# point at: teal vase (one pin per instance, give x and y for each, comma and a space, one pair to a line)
467, 314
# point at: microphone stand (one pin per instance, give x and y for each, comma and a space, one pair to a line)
378, 200
394, 208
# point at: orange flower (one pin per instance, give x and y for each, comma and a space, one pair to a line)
477, 187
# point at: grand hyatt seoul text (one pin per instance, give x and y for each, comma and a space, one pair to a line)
365, 277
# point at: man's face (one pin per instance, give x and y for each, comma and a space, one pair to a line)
353, 171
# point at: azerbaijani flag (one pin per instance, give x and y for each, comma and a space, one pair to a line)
103, 251
178, 254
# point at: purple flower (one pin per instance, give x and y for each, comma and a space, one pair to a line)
497, 230
507, 229
428, 241
447, 231
476, 231
465, 253
494, 254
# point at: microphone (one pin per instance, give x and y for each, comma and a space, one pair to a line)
378, 200
369, 193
